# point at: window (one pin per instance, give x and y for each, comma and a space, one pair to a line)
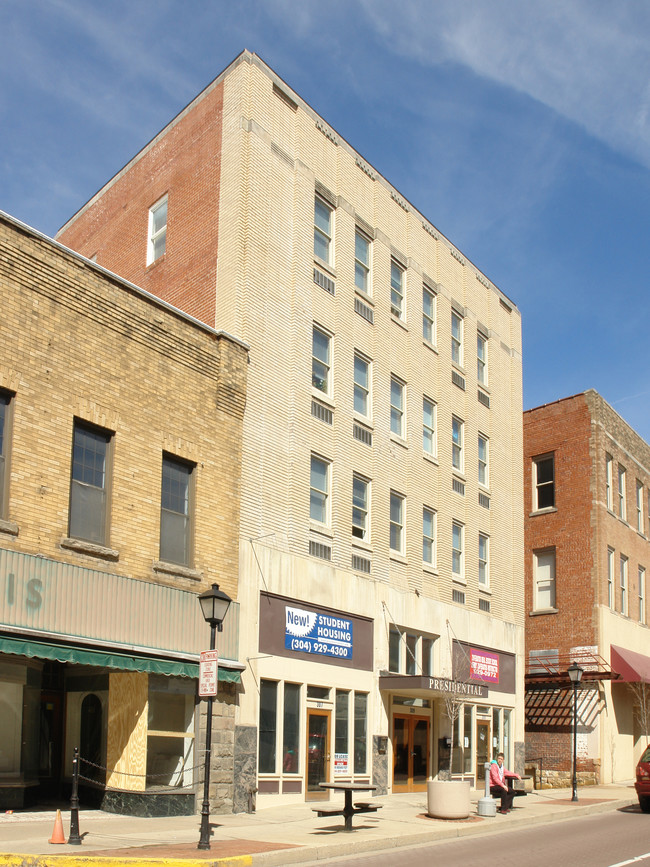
268, 726
483, 477
429, 426
429, 536
88, 512
319, 491
544, 481
291, 729
410, 653
427, 656
396, 407
623, 567
175, 511
396, 290
394, 650
457, 565
320, 360
341, 723
610, 578
457, 443
362, 262
360, 733
640, 523
481, 358
483, 560
323, 215
397, 523
170, 730
428, 315
622, 509
157, 231
641, 594
609, 481
456, 338
360, 488
361, 386
544, 566
4, 450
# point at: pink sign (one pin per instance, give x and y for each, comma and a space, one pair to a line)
484, 665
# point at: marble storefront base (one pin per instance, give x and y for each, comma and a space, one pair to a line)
150, 804
17, 796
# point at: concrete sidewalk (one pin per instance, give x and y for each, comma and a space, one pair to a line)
278, 835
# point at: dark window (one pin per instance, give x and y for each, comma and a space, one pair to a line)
291, 728
4, 417
175, 511
268, 725
544, 483
89, 484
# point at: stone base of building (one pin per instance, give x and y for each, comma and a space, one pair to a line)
560, 779
18, 795
149, 804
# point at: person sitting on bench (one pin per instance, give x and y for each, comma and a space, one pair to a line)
499, 784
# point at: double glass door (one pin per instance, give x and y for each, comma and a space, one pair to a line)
410, 753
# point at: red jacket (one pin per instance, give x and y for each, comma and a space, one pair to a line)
495, 780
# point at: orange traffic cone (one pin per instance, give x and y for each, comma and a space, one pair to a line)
57, 834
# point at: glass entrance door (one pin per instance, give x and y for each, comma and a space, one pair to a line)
318, 753
482, 747
410, 753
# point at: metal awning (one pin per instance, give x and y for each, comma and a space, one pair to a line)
631, 666
107, 658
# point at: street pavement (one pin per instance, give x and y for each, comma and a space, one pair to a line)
281, 835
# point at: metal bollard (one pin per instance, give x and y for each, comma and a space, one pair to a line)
487, 806
74, 839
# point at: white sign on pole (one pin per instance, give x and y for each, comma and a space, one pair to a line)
208, 672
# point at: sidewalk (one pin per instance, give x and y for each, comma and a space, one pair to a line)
277, 835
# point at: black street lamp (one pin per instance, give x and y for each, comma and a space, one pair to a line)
575, 676
214, 605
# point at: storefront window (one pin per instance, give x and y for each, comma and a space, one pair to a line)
291, 728
341, 733
268, 726
170, 732
360, 733
507, 714
496, 731
318, 692
456, 753
467, 739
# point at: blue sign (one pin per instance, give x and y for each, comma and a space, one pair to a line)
311, 632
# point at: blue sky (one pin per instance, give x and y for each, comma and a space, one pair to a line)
520, 129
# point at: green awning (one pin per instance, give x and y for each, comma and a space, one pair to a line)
105, 659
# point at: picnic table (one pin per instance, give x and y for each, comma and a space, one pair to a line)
349, 809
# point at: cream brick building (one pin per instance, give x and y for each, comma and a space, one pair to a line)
382, 457
109, 397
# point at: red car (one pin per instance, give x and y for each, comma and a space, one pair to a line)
642, 784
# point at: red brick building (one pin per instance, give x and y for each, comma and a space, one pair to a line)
586, 498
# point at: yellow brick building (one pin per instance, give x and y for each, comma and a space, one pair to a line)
120, 453
381, 560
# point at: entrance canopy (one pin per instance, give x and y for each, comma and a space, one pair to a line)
108, 659
632, 667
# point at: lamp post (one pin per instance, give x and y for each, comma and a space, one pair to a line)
214, 605
575, 676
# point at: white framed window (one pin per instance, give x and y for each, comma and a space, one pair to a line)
396, 406
543, 482
456, 338
361, 385
89, 483
609, 482
360, 498
429, 536
429, 426
323, 230
483, 560
362, 262
481, 358
176, 511
641, 594
396, 289
396, 522
410, 652
319, 490
157, 242
640, 521
457, 558
5, 424
483, 465
623, 578
428, 315
544, 569
610, 578
320, 360
622, 505
457, 443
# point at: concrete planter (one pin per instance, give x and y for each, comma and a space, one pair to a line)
448, 799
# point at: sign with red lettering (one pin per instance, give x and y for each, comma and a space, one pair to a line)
208, 672
483, 665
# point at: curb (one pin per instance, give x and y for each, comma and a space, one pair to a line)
64, 860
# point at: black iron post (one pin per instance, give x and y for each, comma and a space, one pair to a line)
575, 676
204, 842
74, 839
